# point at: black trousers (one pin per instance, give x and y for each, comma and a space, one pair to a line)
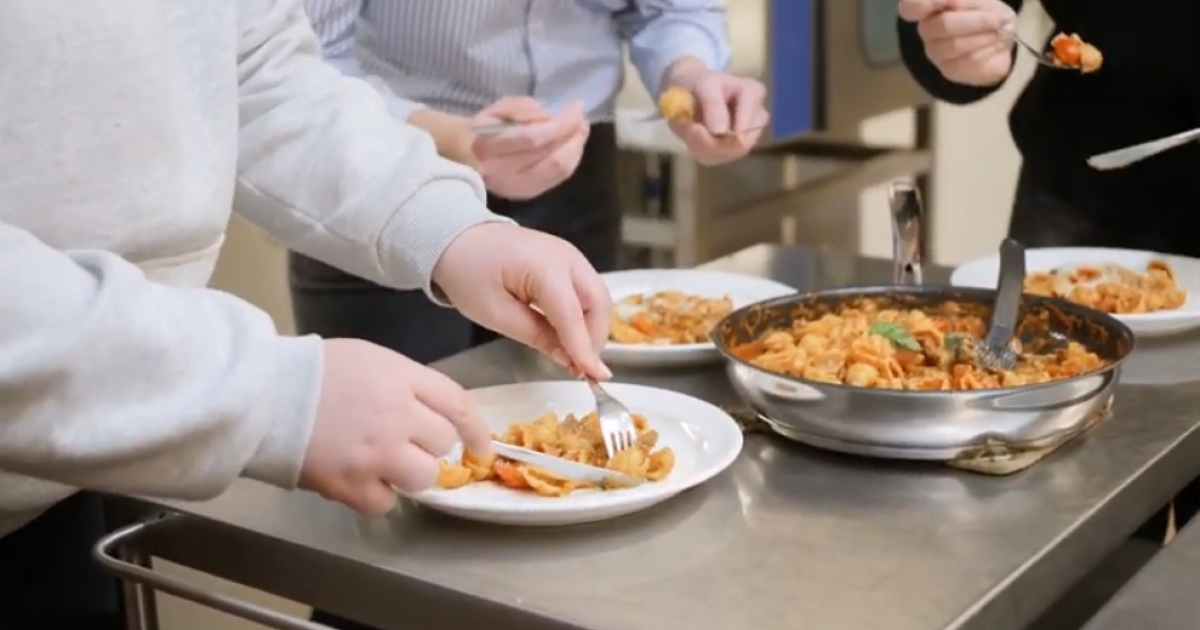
48, 580
584, 210
1043, 217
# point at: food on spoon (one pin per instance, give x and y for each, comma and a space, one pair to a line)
1070, 51
1111, 288
677, 105
871, 343
576, 439
666, 318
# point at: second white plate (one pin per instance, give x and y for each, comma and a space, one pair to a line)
743, 290
982, 273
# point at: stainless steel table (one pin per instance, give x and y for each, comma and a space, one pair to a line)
789, 538
1163, 596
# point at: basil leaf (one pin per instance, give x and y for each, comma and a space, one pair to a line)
897, 334
953, 341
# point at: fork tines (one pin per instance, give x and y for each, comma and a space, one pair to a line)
996, 359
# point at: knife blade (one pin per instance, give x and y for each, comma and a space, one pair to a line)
566, 469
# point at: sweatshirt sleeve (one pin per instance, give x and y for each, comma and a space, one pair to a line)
111, 382
912, 50
325, 168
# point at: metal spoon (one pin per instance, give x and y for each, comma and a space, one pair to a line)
995, 352
495, 129
1138, 152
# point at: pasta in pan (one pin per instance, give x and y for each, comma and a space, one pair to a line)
865, 345
576, 439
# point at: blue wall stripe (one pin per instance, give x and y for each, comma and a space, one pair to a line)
792, 59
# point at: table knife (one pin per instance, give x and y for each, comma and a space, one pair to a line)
566, 469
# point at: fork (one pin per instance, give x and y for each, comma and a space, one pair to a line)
616, 423
996, 353
492, 129
1010, 30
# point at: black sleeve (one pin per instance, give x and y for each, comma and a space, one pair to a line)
912, 50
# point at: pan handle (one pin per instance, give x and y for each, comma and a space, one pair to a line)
908, 212
106, 553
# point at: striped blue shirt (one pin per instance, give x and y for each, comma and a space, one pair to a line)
459, 56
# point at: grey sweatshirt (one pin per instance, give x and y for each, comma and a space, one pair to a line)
128, 131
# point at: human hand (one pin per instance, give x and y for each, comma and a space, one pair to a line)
525, 162
531, 287
383, 422
963, 39
729, 118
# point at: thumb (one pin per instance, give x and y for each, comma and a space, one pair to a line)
522, 109
575, 109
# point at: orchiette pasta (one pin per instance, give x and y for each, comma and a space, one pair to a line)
576, 439
1112, 288
666, 318
864, 344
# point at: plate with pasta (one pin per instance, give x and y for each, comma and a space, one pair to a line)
664, 317
1154, 294
682, 442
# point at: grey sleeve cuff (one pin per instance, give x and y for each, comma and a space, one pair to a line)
414, 239
292, 410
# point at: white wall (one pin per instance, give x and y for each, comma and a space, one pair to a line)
975, 169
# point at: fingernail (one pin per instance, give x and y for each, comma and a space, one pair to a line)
604, 372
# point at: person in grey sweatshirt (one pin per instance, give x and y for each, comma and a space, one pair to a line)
129, 129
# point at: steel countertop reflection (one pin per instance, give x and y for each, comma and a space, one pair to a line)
789, 537
1163, 595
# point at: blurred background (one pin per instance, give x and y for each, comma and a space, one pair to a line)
847, 119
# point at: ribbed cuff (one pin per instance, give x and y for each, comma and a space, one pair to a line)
414, 239
292, 410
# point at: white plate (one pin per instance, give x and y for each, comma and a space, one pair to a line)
743, 290
705, 440
982, 273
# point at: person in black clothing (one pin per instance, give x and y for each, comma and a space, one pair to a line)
1148, 87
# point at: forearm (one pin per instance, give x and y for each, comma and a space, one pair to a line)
112, 382
667, 37
326, 168
335, 24
452, 134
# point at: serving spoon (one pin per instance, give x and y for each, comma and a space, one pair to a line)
1138, 152
995, 352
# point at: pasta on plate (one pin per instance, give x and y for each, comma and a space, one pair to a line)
1111, 288
577, 439
666, 318
864, 344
